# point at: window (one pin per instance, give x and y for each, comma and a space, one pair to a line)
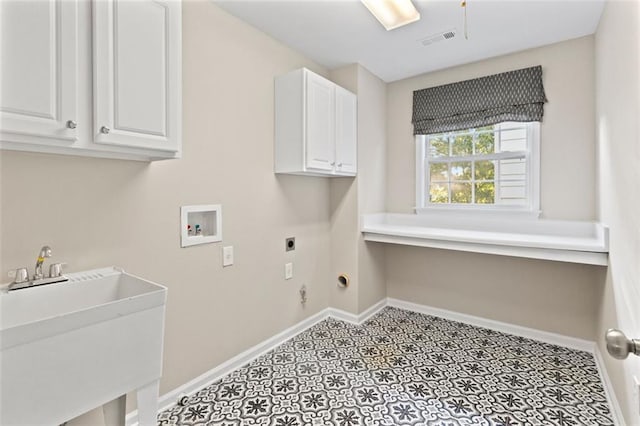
494, 167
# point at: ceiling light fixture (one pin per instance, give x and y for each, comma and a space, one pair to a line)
392, 13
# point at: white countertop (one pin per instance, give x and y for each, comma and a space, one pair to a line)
566, 241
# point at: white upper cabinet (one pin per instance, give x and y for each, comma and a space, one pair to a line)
99, 78
315, 126
39, 65
346, 132
136, 71
320, 120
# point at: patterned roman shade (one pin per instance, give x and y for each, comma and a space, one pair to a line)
509, 96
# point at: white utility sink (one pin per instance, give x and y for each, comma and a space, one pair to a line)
69, 347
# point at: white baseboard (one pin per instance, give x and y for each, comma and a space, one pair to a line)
360, 318
530, 333
371, 311
168, 400
616, 411
343, 315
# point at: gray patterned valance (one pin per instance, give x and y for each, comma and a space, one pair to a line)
509, 96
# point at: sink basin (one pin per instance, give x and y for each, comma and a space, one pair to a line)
68, 347
87, 298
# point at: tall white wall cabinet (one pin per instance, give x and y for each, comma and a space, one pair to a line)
98, 78
315, 126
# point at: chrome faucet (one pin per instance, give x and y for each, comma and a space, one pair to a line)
45, 252
21, 275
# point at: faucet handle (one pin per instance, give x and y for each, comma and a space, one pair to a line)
55, 270
20, 275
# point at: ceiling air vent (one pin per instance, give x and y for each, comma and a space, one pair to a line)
441, 36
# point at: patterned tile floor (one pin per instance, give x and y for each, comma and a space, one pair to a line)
404, 368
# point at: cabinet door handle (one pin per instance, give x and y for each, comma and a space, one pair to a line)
339, 164
333, 163
71, 124
105, 130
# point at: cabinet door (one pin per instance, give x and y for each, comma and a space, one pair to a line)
38, 53
137, 73
346, 131
320, 123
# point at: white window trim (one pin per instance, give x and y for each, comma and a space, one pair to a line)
532, 210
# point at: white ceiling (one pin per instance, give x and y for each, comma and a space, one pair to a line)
340, 32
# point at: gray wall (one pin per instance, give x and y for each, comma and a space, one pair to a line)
556, 297
351, 198
567, 133
552, 296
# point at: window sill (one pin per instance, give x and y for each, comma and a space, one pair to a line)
563, 241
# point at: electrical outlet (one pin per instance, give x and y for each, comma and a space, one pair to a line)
290, 244
288, 271
227, 256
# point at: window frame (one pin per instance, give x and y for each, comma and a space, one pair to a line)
532, 159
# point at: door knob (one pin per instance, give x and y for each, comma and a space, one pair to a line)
71, 124
105, 130
619, 346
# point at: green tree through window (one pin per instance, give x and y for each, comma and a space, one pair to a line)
463, 166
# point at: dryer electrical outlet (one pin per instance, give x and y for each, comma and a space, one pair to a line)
290, 244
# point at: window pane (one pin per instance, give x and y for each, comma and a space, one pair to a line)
461, 170
484, 170
439, 147
439, 172
439, 193
461, 174
485, 143
461, 192
485, 193
462, 145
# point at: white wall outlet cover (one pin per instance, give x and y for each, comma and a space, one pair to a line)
227, 256
288, 271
